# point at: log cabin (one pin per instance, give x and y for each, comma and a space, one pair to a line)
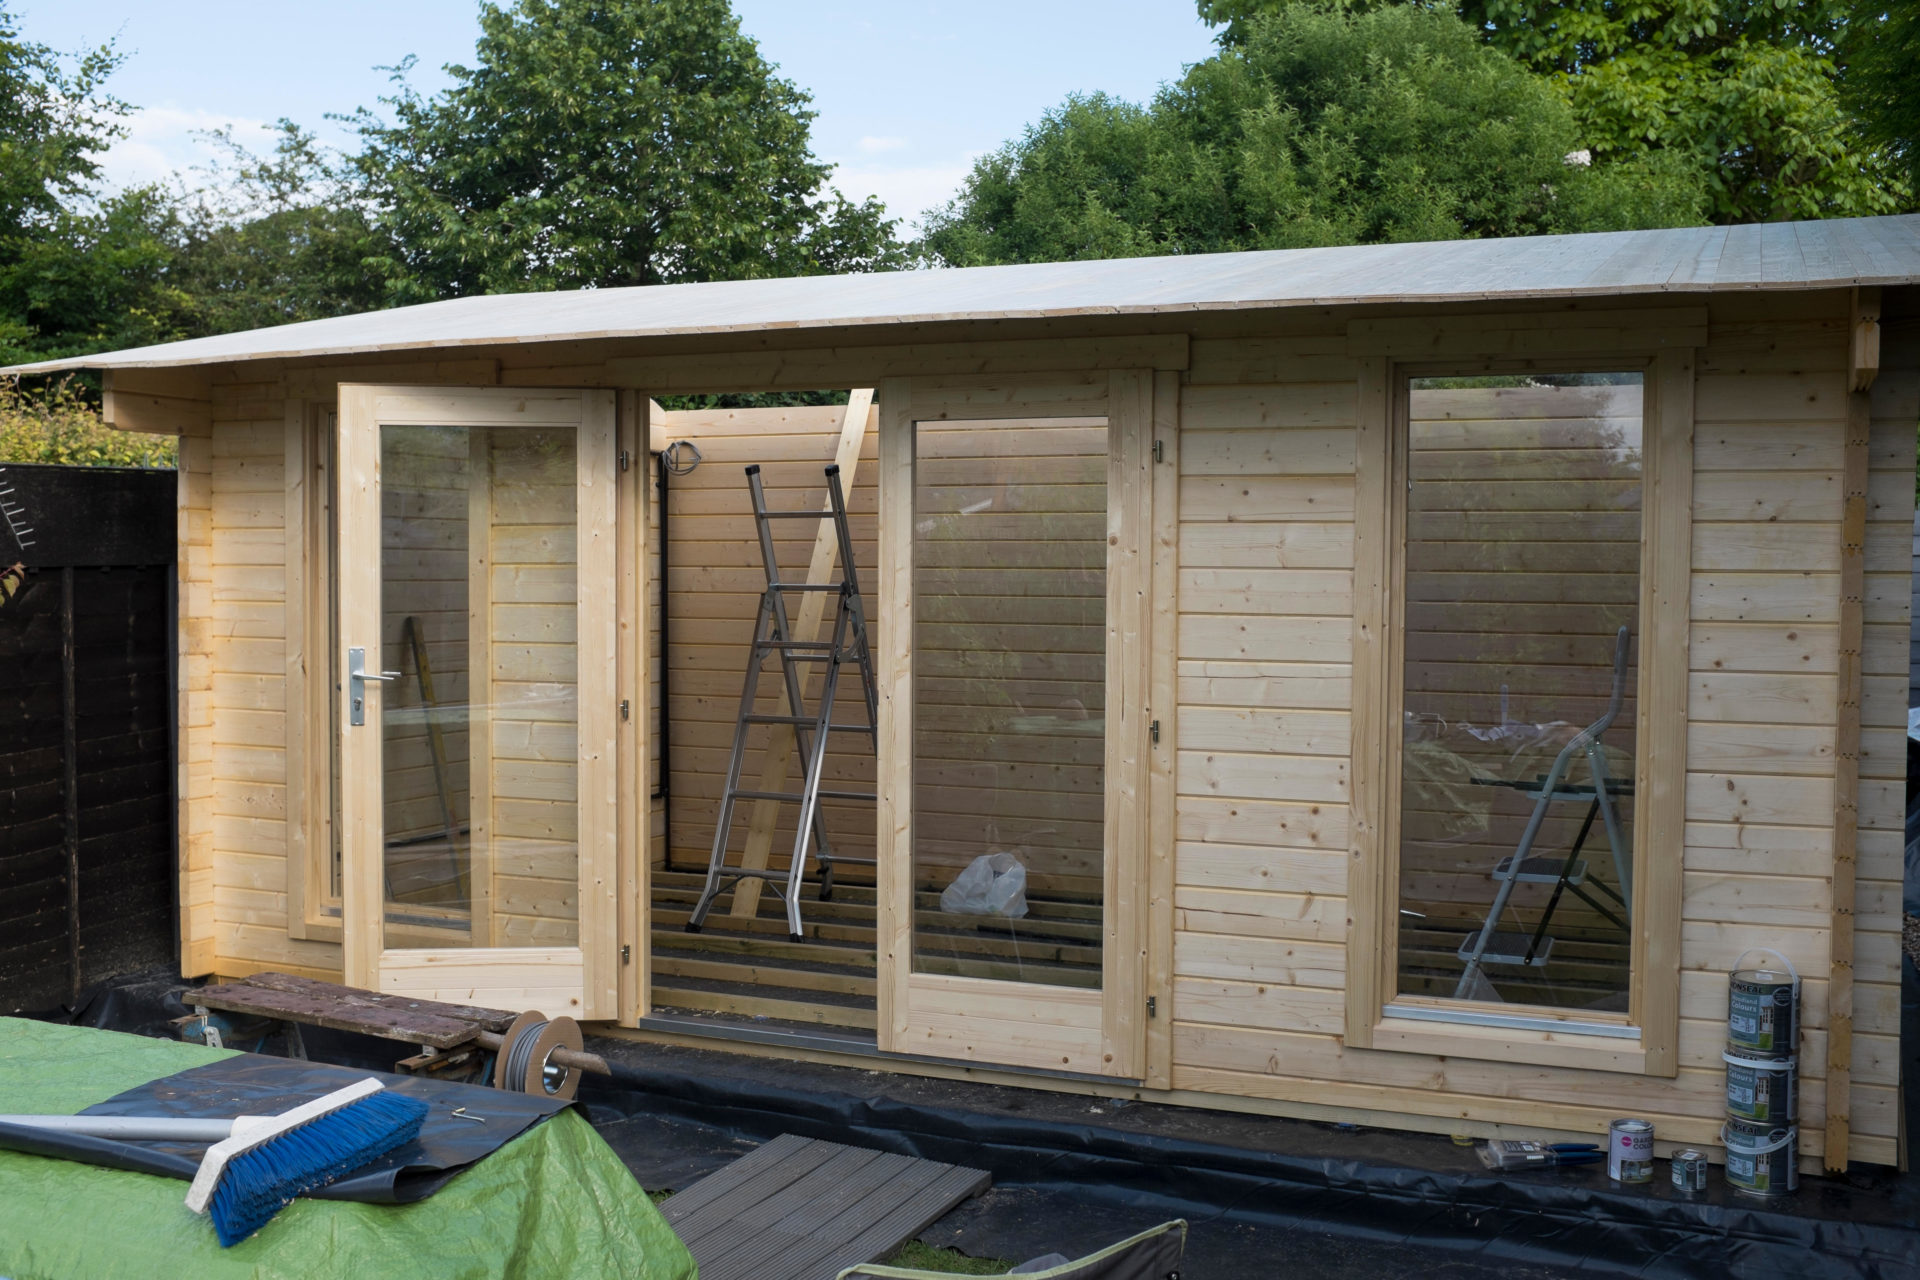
1389, 684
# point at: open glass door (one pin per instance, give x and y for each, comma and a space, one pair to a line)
1014, 724
476, 631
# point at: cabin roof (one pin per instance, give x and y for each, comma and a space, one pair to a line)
1833, 253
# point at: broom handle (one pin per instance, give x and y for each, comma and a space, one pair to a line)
147, 1128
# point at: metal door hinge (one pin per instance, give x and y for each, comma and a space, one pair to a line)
625, 709
626, 459
1159, 450
1153, 1009
626, 954
1153, 732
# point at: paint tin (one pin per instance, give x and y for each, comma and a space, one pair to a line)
1763, 1091
1630, 1151
1763, 1010
1761, 1159
1689, 1172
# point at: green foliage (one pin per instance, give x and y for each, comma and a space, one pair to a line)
274, 239
1882, 82
1321, 126
606, 142
76, 273
57, 423
1742, 94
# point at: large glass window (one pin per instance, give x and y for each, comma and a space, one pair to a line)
480, 737
1010, 667
1521, 626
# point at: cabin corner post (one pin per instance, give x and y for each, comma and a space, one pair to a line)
1665, 645
893, 872
194, 734
1163, 708
1863, 364
634, 749
1374, 536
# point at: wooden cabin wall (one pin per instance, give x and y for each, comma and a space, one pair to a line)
247, 656
1266, 535
714, 581
1266, 507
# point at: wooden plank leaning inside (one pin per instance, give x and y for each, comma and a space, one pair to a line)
806, 626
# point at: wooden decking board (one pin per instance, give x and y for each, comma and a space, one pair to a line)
803, 1209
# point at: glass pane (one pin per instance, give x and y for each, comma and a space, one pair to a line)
1517, 765
480, 727
1010, 600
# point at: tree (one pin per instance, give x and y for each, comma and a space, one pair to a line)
274, 239
78, 272
606, 142
1881, 85
1743, 92
1317, 126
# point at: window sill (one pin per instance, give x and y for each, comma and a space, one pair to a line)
1505, 1044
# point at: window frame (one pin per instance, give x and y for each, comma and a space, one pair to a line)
1643, 1041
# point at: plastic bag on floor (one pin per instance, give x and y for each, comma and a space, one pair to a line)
993, 884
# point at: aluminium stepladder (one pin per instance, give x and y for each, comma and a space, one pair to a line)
1488, 945
773, 636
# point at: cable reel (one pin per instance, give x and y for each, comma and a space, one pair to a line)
524, 1063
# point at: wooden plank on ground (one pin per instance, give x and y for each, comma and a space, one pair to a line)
338, 1008
803, 1209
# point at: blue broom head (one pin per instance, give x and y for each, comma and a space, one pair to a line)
264, 1180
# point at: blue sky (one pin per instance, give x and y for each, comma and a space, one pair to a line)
908, 91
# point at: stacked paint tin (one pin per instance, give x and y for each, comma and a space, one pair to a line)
1761, 1134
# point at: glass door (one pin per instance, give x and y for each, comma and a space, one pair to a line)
476, 637
1016, 721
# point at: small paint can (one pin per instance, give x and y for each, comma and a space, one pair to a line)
1763, 1009
1761, 1159
1630, 1151
1689, 1172
1763, 1091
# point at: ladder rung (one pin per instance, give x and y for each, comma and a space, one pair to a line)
794, 797
797, 515
1508, 948
1541, 870
807, 720
812, 646
807, 586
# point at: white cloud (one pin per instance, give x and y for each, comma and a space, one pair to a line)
907, 190
163, 141
871, 145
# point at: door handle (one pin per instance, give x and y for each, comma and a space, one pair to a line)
357, 677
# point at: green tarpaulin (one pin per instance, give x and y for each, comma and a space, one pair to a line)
555, 1201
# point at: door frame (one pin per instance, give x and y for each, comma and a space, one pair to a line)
583, 980
1043, 1027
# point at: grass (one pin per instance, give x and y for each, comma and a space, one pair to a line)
927, 1258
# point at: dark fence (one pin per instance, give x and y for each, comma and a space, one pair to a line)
86, 728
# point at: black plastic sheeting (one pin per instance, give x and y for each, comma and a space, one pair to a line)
253, 1085
1066, 1167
